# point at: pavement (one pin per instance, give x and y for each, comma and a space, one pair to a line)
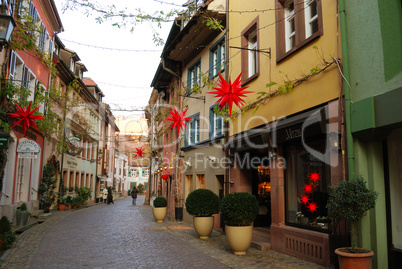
121, 235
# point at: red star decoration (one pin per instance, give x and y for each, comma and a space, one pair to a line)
314, 176
25, 115
307, 188
165, 176
230, 93
304, 199
139, 152
312, 207
178, 119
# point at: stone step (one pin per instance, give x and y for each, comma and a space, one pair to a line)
261, 245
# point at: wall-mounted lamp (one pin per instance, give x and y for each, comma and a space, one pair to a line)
334, 141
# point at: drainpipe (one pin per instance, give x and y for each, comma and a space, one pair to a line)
345, 57
169, 70
226, 123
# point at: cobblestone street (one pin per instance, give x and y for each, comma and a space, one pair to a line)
125, 236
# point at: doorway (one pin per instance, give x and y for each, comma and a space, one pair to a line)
261, 188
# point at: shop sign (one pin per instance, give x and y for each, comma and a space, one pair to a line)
28, 146
3, 142
27, 156
74, 147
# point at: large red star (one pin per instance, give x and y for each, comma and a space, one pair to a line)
307, 188
230, 93
139, 152
312, 207
314, 176
304, 199
25, 115
178, 119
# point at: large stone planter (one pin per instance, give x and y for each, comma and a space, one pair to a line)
239, 238
349, 260
159, 213
22, 218
203, 226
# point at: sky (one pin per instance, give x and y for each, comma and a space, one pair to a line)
124, 75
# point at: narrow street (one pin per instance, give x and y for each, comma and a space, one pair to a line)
126, 236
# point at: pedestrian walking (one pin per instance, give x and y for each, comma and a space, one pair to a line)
109, 196
104, 193
134, 195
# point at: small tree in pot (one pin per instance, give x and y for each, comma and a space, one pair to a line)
351, 200
159, 209
202, 204
239, 210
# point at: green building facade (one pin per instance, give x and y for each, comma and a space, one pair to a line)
372, 57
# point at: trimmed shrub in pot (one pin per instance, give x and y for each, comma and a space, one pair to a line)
159, 209
239, 210
351, 200
22, 214
202, 204
7, 236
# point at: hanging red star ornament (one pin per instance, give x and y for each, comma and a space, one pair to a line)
179, 120
304, 199
26, 116
139, 152
314, 176
230, 93
312, 207
165, 176
307, 188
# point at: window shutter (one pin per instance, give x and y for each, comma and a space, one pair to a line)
192, 130
12, 66
187, 135
211, 64
211, 122
188, 80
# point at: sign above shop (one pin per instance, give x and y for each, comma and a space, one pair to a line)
74, 147
28, 146
27, 156
3, 142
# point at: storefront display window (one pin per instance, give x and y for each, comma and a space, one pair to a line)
307, 182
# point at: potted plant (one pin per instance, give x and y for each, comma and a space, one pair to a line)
159, 209
351, 200
77, 201
22, 213
239, 210
202, 204
69, 202
62, 204
7, 236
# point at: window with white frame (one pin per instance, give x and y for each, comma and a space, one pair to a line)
146, 172
252, 53
215, 123
193, 75
134, 172
193, 132
42, 37
310, 17
217, 58
290, 29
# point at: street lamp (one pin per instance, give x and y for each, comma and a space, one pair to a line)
7, 25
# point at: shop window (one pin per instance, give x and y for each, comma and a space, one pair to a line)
250, 55
200, 184
299, 22
188, 186
307, 187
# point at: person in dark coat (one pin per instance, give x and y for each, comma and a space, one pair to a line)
134, 195
109, 196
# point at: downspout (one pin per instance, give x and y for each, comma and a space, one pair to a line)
226, 123
345, 58
169, 70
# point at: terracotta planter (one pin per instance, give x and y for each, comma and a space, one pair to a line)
159, 213
239, 238
203, 226
349, 260
62, 207
69, 207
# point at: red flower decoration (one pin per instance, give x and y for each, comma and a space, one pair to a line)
312, 207
26, 116
139, 152
307, 188
304, 199
165, 176
178, 119
230, 93
314, 176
